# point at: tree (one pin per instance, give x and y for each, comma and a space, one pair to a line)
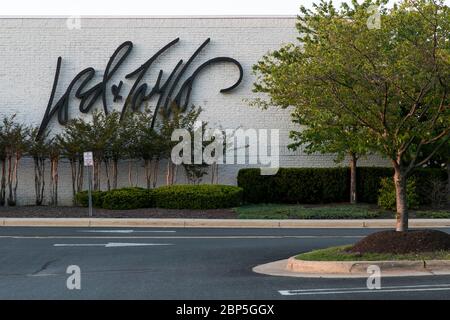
3, 144
38, 149
71, 142
175, 119
54, 153
195, 171
329, 133
393, 81
115, 147
148, 145
15, 139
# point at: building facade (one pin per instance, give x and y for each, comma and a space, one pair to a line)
30, 47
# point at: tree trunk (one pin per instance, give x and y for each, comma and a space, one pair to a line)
16, 181
54, 181
353, 160
400, 196
448, 181
155, 172
3, 184
136, 164
9, 180
174, 174
114, 173
169, 175
214, 173
106, 161
80, 175
130, 179
73, 169
97, 166
39, 179
148, 172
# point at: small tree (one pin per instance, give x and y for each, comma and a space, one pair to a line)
3, 145
15, 140
114, 148
330, 133
39, 150
72, 144
147, 145
195, 171
54, 153
393, 80
175, 119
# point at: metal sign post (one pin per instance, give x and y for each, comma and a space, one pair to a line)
89, 163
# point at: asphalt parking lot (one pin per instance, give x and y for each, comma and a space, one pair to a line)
182, 263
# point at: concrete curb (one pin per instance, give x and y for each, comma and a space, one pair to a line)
352, 269
216, 223
360, 267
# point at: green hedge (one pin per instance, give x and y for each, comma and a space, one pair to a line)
174, 197
295, 185
369, 182
323, 185
197, 196
81, 198
128, 198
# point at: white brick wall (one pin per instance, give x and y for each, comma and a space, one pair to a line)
30, 47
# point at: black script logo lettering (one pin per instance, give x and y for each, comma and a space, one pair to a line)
168, 96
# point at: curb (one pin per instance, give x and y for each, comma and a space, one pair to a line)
361, 267
215, 223
352, 269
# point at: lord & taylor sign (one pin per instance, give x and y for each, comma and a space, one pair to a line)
171, 91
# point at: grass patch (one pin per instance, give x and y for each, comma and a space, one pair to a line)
440, 214
335, 211
286, 211
340, 254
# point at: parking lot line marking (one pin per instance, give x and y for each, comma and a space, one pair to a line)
177, 237
412, 288
127, 231
109, 244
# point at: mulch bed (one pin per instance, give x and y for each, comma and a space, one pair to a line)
81, 212
403, 242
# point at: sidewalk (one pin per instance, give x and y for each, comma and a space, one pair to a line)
216, 223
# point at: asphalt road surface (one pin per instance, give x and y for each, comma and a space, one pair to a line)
165, 263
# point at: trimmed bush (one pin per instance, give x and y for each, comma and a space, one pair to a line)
324, 185
368, 182
387, 196
202, 196
82, 199
295, 185
128, 198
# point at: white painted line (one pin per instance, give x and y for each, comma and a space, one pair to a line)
109, 244
127, 231
79, 245
179, 237
120, 244
428, 287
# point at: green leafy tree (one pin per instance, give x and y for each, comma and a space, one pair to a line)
15, 137
54, 154
39, 149
175, 119
391, 80
148, 145
326, 132
72, 144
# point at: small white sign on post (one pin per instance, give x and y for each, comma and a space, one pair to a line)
88, 159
